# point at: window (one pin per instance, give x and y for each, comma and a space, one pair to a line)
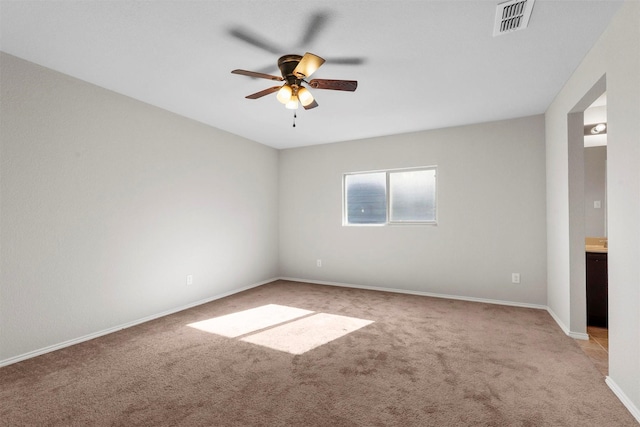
399, 196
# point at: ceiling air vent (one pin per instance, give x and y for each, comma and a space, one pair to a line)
512, 16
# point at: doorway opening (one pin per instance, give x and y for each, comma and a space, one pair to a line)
596, 240
588, 223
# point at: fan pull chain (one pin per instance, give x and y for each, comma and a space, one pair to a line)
294, 119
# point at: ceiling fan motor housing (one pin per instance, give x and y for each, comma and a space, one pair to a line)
287, 64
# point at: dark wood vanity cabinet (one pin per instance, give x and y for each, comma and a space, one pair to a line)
597, 289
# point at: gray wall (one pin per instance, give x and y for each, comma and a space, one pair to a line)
595, 169
491, 214
108, 203
615, 57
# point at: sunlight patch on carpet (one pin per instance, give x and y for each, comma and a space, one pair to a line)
247, 321
282, 328
306, 334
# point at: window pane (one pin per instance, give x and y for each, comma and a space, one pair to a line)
366, 198
413, 195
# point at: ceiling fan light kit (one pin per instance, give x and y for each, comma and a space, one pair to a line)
284, 94
304, 96
295, 69
292, 104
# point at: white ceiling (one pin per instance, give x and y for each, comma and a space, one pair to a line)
426, 64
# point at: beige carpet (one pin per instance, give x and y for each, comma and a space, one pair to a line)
371, 359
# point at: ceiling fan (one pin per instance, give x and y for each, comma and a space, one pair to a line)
295, 69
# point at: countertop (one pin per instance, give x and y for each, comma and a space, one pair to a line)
596, 244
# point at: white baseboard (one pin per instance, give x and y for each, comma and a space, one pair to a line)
623, 398
609, 381
566, 330
420, 293
91, 336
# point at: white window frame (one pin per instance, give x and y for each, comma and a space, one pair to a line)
388, 221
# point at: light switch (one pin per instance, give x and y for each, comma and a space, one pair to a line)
597, 204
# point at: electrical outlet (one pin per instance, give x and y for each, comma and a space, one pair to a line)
189, 279
319, 262
515, 277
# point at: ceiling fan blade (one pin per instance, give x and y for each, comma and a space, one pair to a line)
348, 85
314, 104
308, 65
268, 69
316, 23
253, 39
263, 92
256, 74
346, 61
